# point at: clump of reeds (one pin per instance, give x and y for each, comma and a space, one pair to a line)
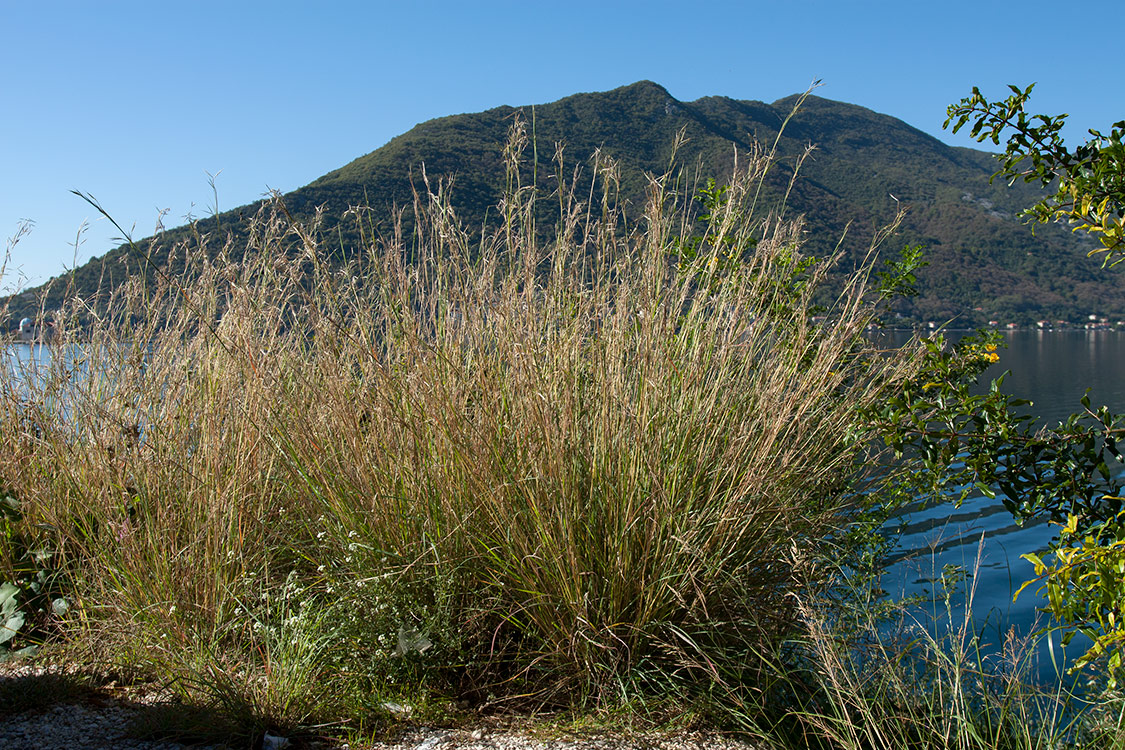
898, 681
547, 466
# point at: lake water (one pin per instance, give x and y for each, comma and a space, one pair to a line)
1053, 369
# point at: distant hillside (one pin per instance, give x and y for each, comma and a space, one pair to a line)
984, 262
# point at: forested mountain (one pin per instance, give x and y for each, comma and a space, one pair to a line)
984, 262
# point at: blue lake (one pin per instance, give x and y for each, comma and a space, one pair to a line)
1052, 369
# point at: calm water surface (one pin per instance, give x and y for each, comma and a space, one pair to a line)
1053, 369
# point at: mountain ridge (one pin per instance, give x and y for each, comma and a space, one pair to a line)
985, 263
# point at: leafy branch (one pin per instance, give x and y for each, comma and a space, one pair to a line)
1089, 180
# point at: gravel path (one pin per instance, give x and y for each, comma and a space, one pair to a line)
101, 721
76, 726
436, 739
105, 728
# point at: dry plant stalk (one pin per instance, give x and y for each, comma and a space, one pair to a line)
564, 460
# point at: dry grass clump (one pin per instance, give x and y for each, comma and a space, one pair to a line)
567, 471
929, 683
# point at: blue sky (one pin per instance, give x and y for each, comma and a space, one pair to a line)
136, 102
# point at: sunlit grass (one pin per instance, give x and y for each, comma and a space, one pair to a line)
578, 469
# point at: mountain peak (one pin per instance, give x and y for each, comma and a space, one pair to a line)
645, 86
984, 263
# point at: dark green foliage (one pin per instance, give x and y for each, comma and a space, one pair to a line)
30, 599
1088, 182
965, 442
899, 276
951, 441
1071, 473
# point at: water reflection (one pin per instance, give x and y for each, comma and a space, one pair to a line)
1052, 369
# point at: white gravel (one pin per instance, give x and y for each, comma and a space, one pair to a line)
104, 725
465, 739
65, 726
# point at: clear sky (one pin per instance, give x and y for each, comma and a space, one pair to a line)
137, 102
